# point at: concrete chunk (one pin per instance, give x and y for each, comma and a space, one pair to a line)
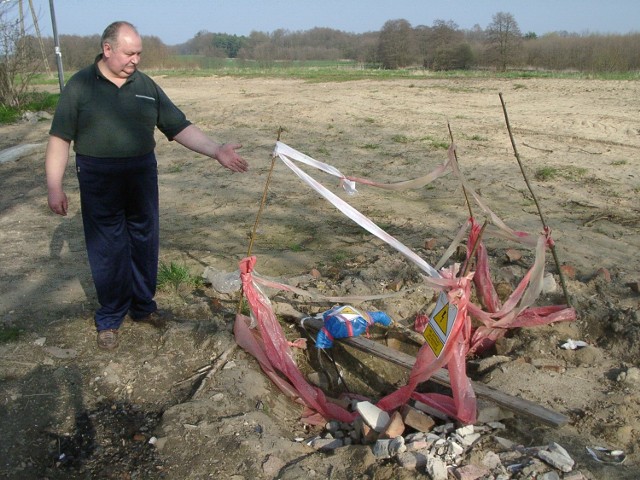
556, 460
436, 468
373, 416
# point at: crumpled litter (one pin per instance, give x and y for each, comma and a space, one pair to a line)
347, 321
604, 455
573, 344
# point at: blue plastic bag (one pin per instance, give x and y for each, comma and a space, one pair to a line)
346, 321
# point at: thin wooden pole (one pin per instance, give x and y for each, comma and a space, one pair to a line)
255, 224
455, 155
535, 200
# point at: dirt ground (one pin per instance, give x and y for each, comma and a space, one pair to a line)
68, 410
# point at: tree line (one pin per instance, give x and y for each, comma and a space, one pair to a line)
397, 45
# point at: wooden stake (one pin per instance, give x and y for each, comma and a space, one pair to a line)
255, 224
535, 200
464, 190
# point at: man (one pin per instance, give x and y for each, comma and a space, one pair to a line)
109, 111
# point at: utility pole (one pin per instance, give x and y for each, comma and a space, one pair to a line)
57, 45
21, 13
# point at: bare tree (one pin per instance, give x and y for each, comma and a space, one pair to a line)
504, 40
18, 60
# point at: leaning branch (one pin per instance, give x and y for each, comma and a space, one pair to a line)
535, 200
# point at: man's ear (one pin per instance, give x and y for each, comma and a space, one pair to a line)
106, 50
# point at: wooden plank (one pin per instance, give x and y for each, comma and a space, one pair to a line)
515, 404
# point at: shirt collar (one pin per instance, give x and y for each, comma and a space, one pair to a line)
99, 74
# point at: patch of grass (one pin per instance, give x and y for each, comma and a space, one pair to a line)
573, 173
41, 101
436, 143
440, 144
518, 86
616, 163
30, 102
174, 275
546, 173
323, 151
339, 256
9, 334
569, 173
400, 139
8, 115
479, 138
370, 146
296, 247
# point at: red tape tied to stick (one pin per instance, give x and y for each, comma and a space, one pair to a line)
270, 347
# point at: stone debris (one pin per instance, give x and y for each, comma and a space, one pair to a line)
557, 457
446, 450
389, 447
376, 418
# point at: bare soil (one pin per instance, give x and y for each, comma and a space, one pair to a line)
68, 410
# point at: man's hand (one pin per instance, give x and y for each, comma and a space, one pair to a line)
229, 158
58, 202
194, 139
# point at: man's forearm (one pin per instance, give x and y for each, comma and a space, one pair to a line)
56, 159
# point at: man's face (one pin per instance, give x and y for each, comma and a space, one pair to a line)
122, 59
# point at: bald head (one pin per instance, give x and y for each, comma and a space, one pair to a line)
112, 32
121, 50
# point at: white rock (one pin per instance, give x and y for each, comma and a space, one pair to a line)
466, 430
455, 449
556, 460
373, 416
436, 468
469, 440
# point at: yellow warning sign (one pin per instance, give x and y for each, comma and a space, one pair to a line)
433, 340
441, 324
441, 317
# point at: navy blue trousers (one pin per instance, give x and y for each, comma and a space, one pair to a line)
120, 215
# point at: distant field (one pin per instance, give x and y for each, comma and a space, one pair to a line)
336, 71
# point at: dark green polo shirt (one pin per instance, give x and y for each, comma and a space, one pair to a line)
105, 121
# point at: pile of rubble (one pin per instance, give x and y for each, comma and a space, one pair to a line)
412, 439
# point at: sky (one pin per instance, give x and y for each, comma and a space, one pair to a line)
176, 21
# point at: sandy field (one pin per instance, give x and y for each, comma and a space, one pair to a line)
68, 410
